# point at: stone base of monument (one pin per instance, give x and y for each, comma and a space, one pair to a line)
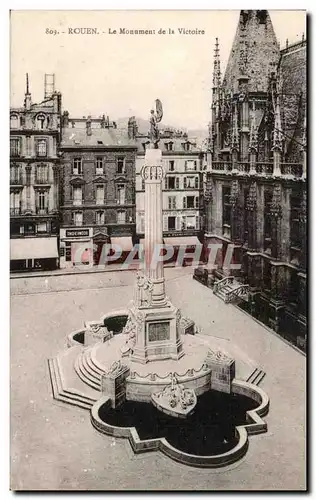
157, 333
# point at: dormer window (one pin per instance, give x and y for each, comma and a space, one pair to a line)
40, 119
121, 165
169, 146
14, 121
99, 165
186, 146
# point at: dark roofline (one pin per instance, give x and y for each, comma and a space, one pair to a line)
293, 46
96, 147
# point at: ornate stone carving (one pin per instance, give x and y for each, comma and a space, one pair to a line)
130, 331
144, 288
234, 193
276, 207
155, 118
251, 201
175, 399
218, 356
116, 368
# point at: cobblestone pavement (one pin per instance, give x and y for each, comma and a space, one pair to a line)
54, 446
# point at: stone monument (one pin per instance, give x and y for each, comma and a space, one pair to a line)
156, 321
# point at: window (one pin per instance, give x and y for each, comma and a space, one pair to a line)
226, 205
171, 165
186, 146
190, 222
42, 202
15, 174
295, 237
171, 182
42, 227
171, 223
77, 195
171, 202
190, 182
14, 121
42, 174
190, 165
15, 203
77, 218
121, 217
41, 147
15, 147
77, 166
100, 195
121, 194
121, 165
169, 146
190, 201
68, 251
99, 218
40, 119
99, 165
267, 219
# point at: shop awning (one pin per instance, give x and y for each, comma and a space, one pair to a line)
124, 242
33, 248
182, 241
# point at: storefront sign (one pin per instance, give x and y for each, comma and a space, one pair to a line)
76, 233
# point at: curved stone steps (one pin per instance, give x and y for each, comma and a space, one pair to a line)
85, 374
66, 395
92, 361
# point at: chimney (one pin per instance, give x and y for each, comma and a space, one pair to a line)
88, 126
103, 121
65, 119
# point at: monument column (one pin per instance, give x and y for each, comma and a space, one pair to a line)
152, 173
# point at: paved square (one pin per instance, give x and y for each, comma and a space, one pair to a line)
55, 447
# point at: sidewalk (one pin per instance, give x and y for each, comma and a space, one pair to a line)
79, 270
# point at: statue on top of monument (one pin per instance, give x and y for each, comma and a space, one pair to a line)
155, 118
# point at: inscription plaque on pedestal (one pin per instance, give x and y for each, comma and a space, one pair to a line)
158, 331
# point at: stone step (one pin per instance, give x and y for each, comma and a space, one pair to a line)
256, 376
73, 393
92, 361
84, 375
66, 396
96, 376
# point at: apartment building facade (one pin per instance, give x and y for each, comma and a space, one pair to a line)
34, 181
97, 190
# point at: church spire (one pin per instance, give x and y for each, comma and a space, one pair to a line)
27, 99
255, 48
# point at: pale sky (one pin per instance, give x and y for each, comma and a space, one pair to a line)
122, 75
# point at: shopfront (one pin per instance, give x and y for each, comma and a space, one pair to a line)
34, 254
187, 244
76, 247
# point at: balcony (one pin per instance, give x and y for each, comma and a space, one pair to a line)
243, 167
41, 211
16, 181
264, 168
15, 211
222, 166
42, 180
292, 169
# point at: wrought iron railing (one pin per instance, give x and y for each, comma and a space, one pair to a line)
221, 283
15, 211
239, 292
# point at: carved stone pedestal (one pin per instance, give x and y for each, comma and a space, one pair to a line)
157, 333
